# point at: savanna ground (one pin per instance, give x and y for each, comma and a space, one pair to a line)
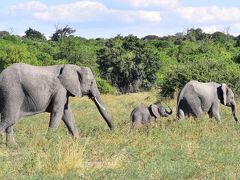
170, 149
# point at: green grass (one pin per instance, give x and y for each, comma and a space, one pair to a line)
170, 149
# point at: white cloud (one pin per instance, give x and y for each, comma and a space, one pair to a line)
209, 14
169, 4
31, 5
235, 29
150, 16
82, 11
145, 16
78, 11
210, 29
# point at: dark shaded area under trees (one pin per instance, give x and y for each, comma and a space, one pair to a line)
132, 64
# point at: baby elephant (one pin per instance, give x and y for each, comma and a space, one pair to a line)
143, 114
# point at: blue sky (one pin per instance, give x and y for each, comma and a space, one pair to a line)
107, 18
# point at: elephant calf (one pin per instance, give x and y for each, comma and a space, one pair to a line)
143, 114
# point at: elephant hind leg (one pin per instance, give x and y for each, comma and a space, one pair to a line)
195, 106
9, 134
10, 138
3, 127
198, 113
6, 125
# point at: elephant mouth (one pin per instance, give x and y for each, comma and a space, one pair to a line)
87, 93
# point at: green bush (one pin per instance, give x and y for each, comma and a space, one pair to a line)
104, 87
204, 71
128, 63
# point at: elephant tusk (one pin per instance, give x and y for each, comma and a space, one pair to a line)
99, 103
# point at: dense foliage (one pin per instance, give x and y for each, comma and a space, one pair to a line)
130, 64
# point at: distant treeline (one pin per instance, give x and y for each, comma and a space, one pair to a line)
131, 64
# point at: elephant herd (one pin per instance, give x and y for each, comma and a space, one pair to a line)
27, 90
195, 99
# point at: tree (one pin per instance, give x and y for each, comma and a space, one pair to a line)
4, 34
219, 37
62, 32
129, 63
34, 34
15, 52
237, 41
195, 34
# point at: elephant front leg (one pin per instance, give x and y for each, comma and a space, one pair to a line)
215, 112
70, 122
55, 118
57, 109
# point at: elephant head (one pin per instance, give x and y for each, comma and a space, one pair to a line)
227, 98
79, 81
159, 110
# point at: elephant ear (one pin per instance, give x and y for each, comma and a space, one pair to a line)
69, 78
224, 90
154, 109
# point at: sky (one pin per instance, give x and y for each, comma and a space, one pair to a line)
108, 18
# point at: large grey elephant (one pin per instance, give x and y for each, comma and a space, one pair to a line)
142, 114
197, 98
28, 90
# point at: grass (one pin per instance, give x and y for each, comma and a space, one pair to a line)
170, 149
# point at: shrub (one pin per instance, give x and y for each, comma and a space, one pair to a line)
129, 63
204, 71
104, 87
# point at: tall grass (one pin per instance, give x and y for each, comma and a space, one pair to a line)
170, 149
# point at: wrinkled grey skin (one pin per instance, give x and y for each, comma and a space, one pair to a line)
143, 114
197, 98
27, 90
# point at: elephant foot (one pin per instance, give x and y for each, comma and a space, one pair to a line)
51, 134
10, 141
75, 136
12, 145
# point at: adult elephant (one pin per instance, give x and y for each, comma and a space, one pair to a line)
28, 90
196, 98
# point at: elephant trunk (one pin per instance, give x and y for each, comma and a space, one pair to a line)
170, 111
95, 96
102, 111
165, 113
234, 111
